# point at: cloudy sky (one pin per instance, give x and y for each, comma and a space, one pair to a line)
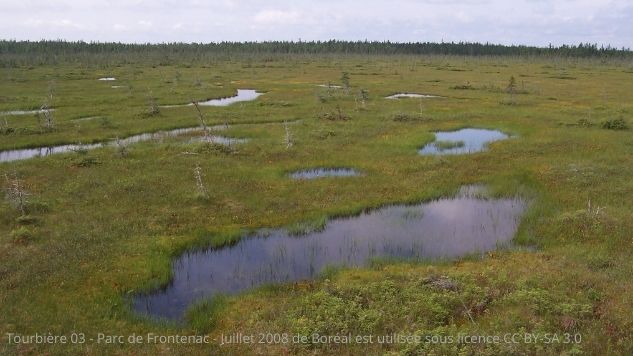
534, 22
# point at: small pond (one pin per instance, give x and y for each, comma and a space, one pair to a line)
23, 112
324, 172
21, 154
447, 228
410, 95
242, 95
222, 140
461, 141
331, 86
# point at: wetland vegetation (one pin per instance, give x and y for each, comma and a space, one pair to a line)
85, 232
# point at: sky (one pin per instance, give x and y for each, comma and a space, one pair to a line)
529, 22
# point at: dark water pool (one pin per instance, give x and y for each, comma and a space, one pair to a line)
444, 228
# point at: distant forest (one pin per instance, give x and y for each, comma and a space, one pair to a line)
46, 52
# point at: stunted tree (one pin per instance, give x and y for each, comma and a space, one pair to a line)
153, 108
201, 190
121, 148
288, 136
4, 126
49, 121
341, 115
511, 88
345, 81
363, 95
16, 193
203, 125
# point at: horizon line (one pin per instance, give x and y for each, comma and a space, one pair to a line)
488, 43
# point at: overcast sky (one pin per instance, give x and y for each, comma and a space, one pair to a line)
533, 22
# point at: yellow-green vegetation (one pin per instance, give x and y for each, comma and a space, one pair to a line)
99, 226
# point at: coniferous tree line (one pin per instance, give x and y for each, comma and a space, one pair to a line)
42, 52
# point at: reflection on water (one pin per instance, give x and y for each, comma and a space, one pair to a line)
444, 228
21, 154
323, 172
330, 86
461, 141
24, 112
410, 95
242, 95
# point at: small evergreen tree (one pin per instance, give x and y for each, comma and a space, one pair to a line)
512, 86
49, 120
153, 108
511, 89
364, 96
345, 80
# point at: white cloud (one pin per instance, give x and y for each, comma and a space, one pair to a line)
277, 17
37, 22
536, 22
68, 23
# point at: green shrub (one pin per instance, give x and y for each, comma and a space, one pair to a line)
324, 134
202, 197
27, 220
407, 117
85, 162
326, 314
508, 101
106, 123
334, 116
213, 148
36, 206
21, 235
466, 86
6, 130
584, 123
615, 124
